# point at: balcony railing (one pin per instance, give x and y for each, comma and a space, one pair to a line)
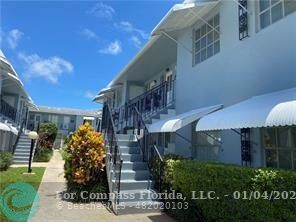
148, 104
7, 110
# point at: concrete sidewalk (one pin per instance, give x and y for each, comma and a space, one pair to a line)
52, 208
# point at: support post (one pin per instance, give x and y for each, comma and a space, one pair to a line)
31, 154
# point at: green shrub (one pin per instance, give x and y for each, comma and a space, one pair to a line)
157, 168
43, 155
6, 159
47, 134
186, 176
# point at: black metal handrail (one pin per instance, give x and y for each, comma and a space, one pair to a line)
115, 158
150, 151
18, 135
7, 110
148, 103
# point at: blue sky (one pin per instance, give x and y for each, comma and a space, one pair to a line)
65, 51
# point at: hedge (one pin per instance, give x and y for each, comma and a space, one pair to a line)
186, 176
43, 155
6, 159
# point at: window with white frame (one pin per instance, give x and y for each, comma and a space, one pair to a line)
206, 40
206, 146
280, 147
271, 11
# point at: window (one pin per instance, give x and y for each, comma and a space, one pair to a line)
207, 40
66, 122
206, 146
54, 119
271, 11
280, 147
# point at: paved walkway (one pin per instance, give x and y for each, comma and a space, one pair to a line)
52, 208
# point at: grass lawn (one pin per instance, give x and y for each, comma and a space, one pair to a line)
13, 175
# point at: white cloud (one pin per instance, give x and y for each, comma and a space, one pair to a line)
113, 48
49, 68
102, 10
128, 27
89, 34
13, 38
135, 41
89, 95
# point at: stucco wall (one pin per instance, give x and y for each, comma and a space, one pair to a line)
264, 62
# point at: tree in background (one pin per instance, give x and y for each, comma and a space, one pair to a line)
47, 134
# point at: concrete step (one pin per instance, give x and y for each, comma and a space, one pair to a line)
171, 112
24, 137
128, 137
23, 146
135, 174
127, 143
134, 165
134, 184
166, 116
130, 150
20, 162
132, 157
20, 154
24, 140
22, 149
21, 159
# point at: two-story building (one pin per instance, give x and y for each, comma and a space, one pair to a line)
205, 55
67, 120
216, 81
14, 104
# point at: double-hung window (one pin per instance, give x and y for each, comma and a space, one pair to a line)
271, 11
206, 40
280, 147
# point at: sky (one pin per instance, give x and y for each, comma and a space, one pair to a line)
66, 51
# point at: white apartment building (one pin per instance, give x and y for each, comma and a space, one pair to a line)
216, 81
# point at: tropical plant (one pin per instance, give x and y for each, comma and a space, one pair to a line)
85, 161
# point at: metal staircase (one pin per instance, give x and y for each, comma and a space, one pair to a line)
128, 169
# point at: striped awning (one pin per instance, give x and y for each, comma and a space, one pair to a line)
4, 127
184, 15
179, 121
268, 110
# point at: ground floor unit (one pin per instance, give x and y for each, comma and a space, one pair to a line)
258, 132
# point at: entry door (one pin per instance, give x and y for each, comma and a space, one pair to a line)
37, 121
169, 91
66, 122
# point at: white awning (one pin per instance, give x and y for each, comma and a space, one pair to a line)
177, 122
268, 110
14, 130
89, 118
100, 98
183, 15
109, 89
4, 127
